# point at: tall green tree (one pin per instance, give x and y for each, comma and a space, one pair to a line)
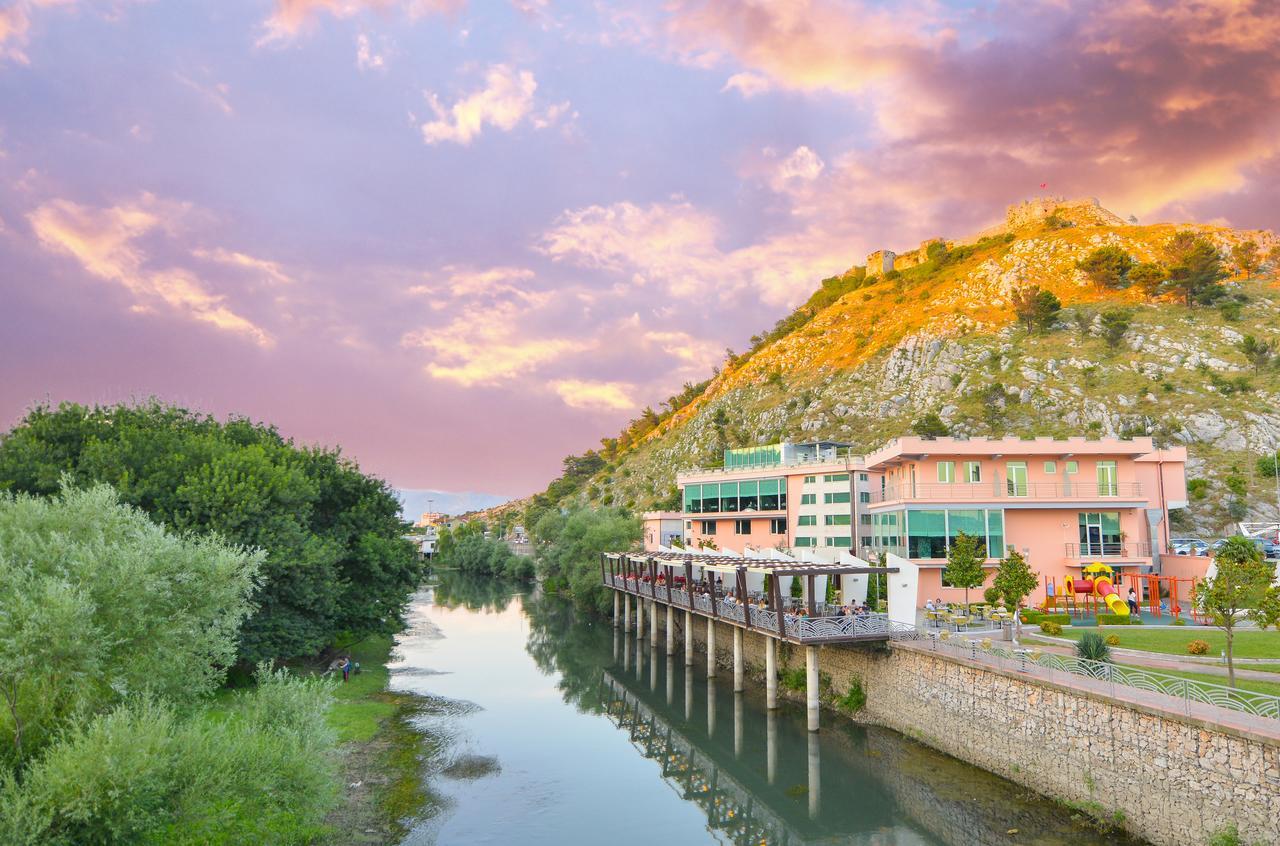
1115, 324
964, 564
1195, 269
1239, 589
1148, 277
1107, 266
569, 547
336, 567
1244, 256
1035, 307
1015, 580
1259, 353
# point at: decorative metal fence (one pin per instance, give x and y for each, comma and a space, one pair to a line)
1188, 690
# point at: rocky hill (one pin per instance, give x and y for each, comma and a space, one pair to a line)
872, 354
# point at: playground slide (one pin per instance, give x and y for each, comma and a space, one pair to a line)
1102, 587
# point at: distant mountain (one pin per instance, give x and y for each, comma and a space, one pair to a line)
414, 502
874, 351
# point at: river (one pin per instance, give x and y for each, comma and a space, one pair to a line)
549, 729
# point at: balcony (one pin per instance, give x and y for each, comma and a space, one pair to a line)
1007, 490
1108, 549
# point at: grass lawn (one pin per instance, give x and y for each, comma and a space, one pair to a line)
1248, 644
1272, 688
358, 710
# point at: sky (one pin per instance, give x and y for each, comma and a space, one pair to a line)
462, 239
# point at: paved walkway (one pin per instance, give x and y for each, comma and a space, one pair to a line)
1157, 661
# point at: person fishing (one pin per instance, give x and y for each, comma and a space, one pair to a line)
346, 668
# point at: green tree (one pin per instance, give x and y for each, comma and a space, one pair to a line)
569, 547
964, 564
1107, 266
1244, 256
1195, 269
1036, 308
930, 426
1148, 277
1238, 590
336, 565
1115, 324
99, 604
1259, 353
1273, 258
1015, 580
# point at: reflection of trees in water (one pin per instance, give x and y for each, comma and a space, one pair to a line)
561, 642
474, 593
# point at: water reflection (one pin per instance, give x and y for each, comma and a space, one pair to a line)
763, 782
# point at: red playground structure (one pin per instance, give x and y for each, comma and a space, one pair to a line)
1096, 591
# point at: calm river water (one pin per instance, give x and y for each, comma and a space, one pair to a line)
552, 730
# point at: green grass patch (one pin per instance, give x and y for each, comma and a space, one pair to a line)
360, 705
1250, 643
1271, 688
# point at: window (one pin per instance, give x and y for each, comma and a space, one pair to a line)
728, 496
862, 477
833, 498
864, 519
837, 519
803, 541
808, 499
688, 524
930, 534
809, 480
1107, 485
748, 496
885, 529
1072, 468
845, 542
708, 527
864, 496
1050, 467
1100, 533
927, 534
742, 527
1017, 481
995, 534
836, 477
772, 495
946, 472
972, 472
807, 520
778, 526
692, 499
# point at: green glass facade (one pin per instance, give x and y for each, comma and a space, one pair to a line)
930, 533
759, 456
732, 497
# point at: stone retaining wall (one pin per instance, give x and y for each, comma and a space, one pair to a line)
1164, 776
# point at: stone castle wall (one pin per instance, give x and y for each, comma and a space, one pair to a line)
1166, 777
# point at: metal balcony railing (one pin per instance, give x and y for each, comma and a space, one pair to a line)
1108, 549
1006, 489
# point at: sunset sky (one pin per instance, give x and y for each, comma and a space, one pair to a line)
464, 239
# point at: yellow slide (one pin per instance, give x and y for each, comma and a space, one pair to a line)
1102, 587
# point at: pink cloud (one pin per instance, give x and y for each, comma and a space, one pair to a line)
291, 17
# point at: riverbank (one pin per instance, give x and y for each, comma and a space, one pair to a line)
383, 757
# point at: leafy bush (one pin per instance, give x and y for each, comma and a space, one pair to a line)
855, 698
1031, 616
1113, 640
570, 546
1093, 647
794, 679
1197, 647
1179, 622
478, 555
991, 595
1119, 620
1051, 628
1060, 619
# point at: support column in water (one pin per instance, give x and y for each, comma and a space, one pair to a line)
771, 744
639, 618
711, 710
653, 669
771, 673
711, 648
653, 624
671, 680
671, 630
688, 695
626, 612
688, 638
739, 673
815, 777
737, 724
811, 685
615, 609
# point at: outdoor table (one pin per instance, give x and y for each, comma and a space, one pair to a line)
960, 620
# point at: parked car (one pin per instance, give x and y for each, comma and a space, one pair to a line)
1188, 546
1270, 549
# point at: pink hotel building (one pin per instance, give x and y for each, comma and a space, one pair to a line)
1062, 503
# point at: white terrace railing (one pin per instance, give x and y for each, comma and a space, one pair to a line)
1188, 690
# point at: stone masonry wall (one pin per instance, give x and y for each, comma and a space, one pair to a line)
1165, 777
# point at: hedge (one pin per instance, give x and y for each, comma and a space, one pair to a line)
1118, 620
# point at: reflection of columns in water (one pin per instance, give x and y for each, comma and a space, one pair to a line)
671, 680
771, 744
653, 624
711, 648
771, 673
639, 660
688, 638
653, 669
626, 654
711, 709
815, 777
811, 685
688, 695
671, 630
738, 670
639, 618
616, 640
737, 723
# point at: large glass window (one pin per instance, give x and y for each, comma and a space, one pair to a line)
708, 527
864, 519
972, 523
808, 499
769, 494
728, 496
946, 472
748, 496
837, 519
995, 534
886, 529
844, 542
864, 496
693, 499
804, 541
1107, 485
778, 526
1100, 533
742, 527
833, 498
927, 534
1017, 481
807, 520
710, 499
836, 477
